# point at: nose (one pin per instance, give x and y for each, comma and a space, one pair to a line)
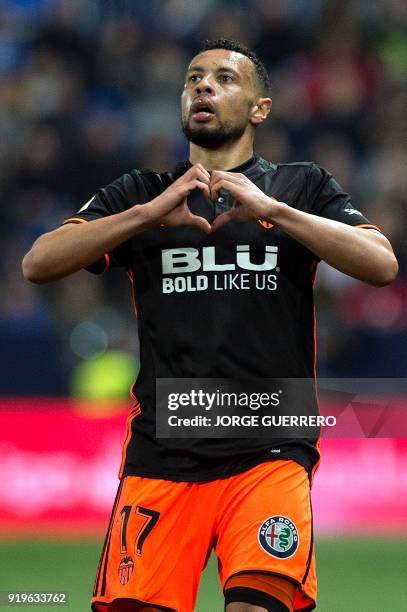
204, 86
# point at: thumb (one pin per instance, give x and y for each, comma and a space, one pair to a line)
200, 223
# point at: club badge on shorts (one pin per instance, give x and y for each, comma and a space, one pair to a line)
126, 568
278, 536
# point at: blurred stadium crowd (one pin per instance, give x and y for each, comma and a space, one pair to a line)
90, 89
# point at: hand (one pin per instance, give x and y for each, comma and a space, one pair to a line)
170, 208
250, 202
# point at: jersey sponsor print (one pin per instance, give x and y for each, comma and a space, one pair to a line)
184, 263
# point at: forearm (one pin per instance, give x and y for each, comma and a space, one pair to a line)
360, 253
77, 245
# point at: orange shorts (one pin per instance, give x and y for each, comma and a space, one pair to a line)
162, 532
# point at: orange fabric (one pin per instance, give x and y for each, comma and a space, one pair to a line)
163, 532
369, 225
107, 262
131, 392
265, 224
280, 588
130, 275
74, 220
316, 466
318, 444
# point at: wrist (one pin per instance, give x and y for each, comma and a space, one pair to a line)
146, 216
276, 211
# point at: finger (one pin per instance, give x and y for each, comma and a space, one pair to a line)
221, 183
234, 177
238, 175
195, 172
199, 170
202, 175
223, 219
197, 184
204, 187
204, 170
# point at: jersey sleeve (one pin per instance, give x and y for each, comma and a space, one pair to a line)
115, 198
327, 199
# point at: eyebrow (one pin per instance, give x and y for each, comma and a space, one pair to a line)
218, 70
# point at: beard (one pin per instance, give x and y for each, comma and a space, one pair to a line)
208, 138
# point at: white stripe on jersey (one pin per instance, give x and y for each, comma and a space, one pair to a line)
88, 203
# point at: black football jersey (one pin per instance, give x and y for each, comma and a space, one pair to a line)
189, 327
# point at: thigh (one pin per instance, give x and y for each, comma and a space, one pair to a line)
154, 553
265, 526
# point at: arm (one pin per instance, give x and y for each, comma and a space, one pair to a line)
75, 246
364, 254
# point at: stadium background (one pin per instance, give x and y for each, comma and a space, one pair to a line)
89, 89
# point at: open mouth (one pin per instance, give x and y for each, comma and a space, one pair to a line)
202, 111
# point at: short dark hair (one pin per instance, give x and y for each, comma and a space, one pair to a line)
262, 77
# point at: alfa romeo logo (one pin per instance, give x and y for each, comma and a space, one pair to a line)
278, 536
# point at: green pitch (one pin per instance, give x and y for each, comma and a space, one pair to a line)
355, 575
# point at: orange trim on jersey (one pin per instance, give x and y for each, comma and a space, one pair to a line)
130, 274
135, 411
79, 220
107, 264
318, 443
264, 223
280, 588
316, 466
369, 225
132, 394
74, 220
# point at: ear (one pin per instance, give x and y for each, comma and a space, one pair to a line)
261, 110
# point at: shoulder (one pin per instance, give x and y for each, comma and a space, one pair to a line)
299, 170
305, 174
138, 184
304, 168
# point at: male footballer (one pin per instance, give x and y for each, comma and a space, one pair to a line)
223, 210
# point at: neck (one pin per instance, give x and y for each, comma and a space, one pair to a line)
229, 156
